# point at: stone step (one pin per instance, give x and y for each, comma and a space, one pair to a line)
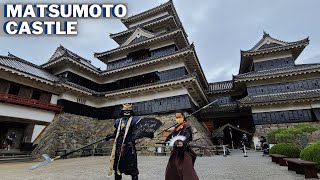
13, 159
14, 156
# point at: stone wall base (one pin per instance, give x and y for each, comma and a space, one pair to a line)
263, 130
68, 131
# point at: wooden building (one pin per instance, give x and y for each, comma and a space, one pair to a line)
157, 69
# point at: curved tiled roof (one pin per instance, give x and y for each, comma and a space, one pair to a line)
62, 51
143, 25
288, 96
279, 71
160, 36
152, 60
21, 65
151, 12
274, 45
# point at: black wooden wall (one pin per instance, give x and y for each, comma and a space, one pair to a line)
284, 87
283, 117
127, 82
163, 105
273, 64
134, 57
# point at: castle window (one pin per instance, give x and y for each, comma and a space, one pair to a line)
36, 95
14, 89
81, 101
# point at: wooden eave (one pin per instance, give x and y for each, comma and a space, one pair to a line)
67, 59
277, 75
247, 56
150, 61
278, 102
193, 64
151, 86
178, 35
168, 6
122, 36
26, 75
54, 84
187, 81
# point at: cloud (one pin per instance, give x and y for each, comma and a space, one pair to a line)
219, 29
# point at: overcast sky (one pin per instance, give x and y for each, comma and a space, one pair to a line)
219, 29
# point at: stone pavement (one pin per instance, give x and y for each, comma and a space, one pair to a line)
153, 168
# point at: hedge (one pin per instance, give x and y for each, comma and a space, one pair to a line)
286, 149
312, 153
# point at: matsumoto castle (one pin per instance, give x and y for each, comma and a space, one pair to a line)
157, 69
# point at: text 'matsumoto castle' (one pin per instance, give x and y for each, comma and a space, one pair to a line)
157, 69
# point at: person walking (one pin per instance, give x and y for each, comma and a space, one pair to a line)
10, 139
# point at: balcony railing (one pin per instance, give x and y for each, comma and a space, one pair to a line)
230, 107
29, 102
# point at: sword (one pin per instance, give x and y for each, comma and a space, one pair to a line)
188, 116
48, 160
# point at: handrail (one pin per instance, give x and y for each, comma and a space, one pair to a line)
29, 102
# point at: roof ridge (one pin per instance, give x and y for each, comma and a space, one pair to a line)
75, 54
147, 11
280, 68
267, 35
12, 56
96, 54
114, 35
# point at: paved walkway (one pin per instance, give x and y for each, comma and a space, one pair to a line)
153, 168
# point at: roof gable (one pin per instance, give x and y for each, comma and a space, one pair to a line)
62, 51
268, 42
166, 7
138, 35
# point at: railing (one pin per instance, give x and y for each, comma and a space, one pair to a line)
230, 107
29, 102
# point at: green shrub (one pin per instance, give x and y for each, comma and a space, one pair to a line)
307, 128
291, 134
271, 136
286, 149
312, 153
288, 135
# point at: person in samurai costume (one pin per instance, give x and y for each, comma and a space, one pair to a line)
123, 158
182, 158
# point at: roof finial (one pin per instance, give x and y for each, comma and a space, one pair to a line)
265, 33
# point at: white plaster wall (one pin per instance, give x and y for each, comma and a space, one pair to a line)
161, 44
132, 99
146, 97
54, 99
149, 19
315, 104
272, 56
23, 112
267, 41
36, 131
282, 107
73, 97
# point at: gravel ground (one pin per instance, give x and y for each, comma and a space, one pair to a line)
153, 168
